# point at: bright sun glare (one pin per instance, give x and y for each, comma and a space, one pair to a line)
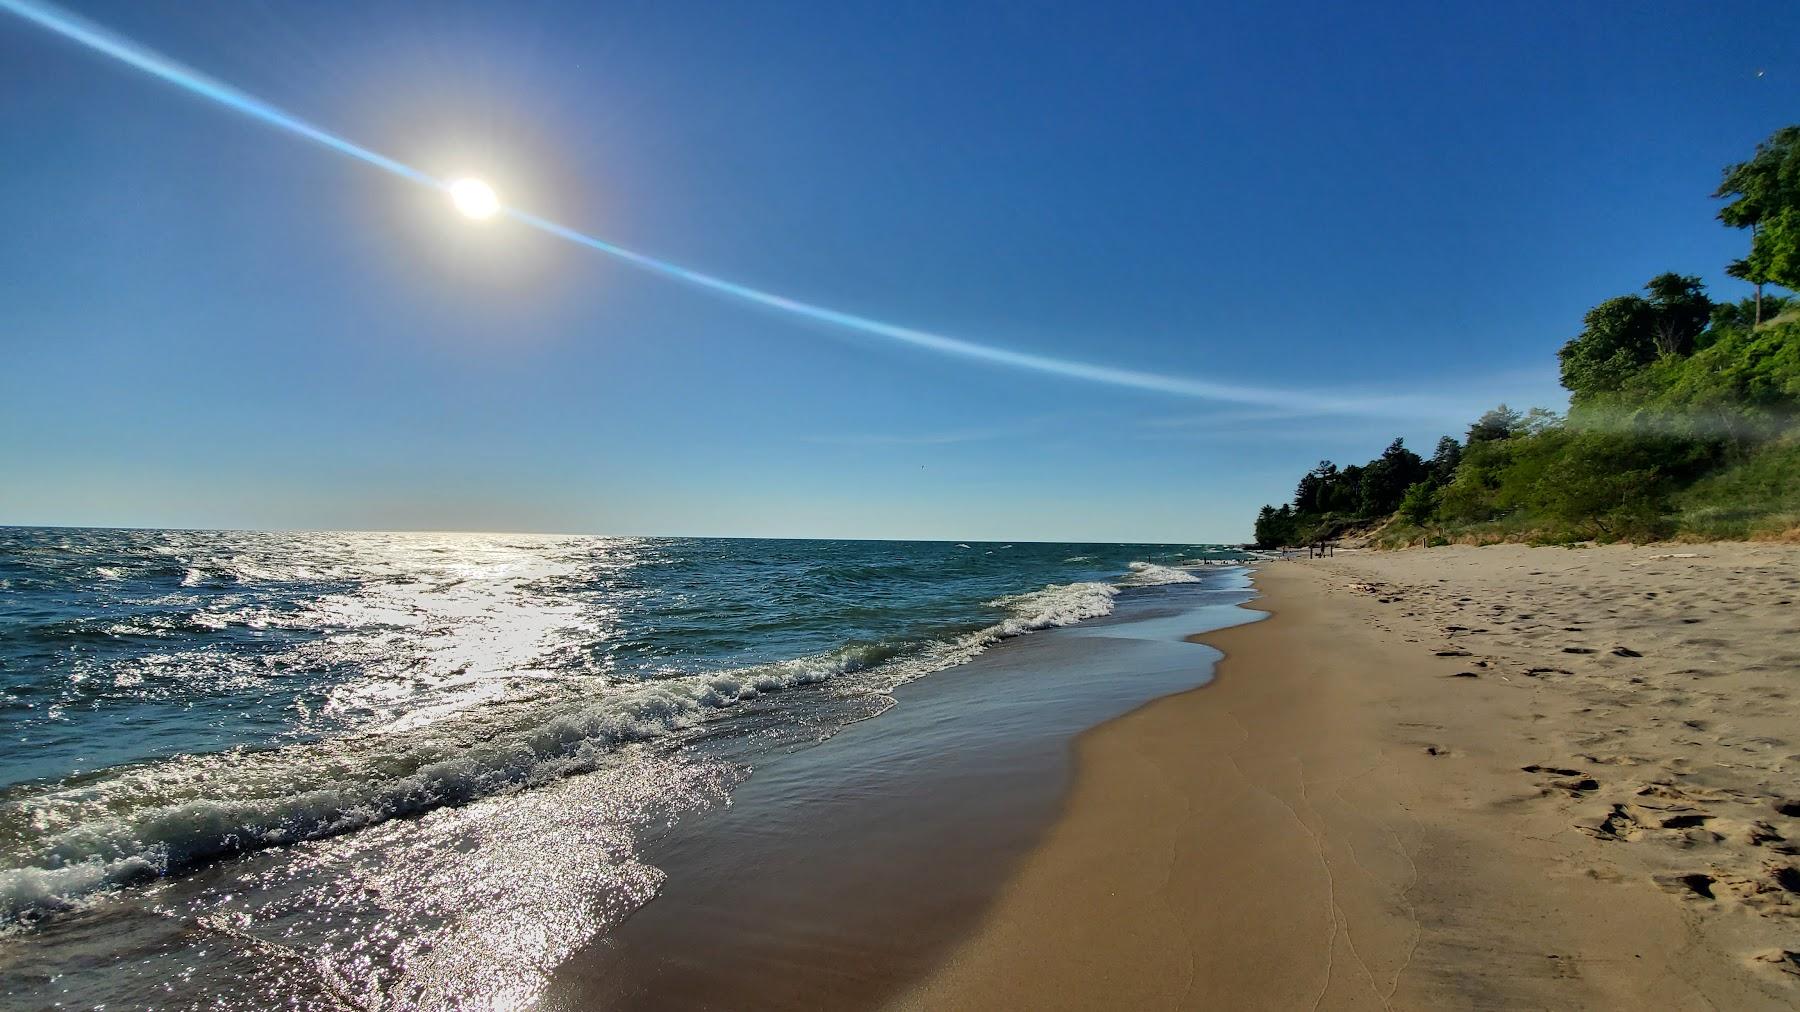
474, 198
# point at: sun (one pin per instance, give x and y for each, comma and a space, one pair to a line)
474, 198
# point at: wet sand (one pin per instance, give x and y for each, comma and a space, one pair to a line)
843, 872
1498, 777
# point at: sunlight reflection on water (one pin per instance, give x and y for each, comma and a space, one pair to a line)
416, 770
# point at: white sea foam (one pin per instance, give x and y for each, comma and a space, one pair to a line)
1149, 574
208, 620
149, 820
1055, 605
41, 890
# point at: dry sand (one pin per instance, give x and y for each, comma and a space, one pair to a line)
1462, 777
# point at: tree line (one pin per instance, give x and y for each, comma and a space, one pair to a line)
1682, 418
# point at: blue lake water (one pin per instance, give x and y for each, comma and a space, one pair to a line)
203, 729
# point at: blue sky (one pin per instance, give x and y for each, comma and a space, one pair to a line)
211, 323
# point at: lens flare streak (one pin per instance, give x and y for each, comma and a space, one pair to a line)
111, 44
1180, 386
155, 64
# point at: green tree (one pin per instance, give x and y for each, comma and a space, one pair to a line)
1537, 421
1623, 335
1344, 495
1268, 533
1743, 386
1618, 337
1778, 258
1740, 317
1680, 310
1753, 270
1608, 483
1445, 458
1315, 485
1420, 502
1472, 495
1386, 479
1494, 425
1762, 195
1275, 527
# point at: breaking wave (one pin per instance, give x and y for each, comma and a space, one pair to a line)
64, 841
1149, 574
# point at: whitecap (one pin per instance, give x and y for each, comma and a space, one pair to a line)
1150, 574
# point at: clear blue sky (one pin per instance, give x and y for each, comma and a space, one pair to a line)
206, 322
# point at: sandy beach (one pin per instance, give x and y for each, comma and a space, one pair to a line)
1496, 777
695, 507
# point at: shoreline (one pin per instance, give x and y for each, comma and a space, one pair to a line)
1344, 818
841, 873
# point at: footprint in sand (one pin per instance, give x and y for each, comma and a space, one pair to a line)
1764, 835
1783, 959
1787, 877
1619, 825
1693, 885
1685, 821
1575, 782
